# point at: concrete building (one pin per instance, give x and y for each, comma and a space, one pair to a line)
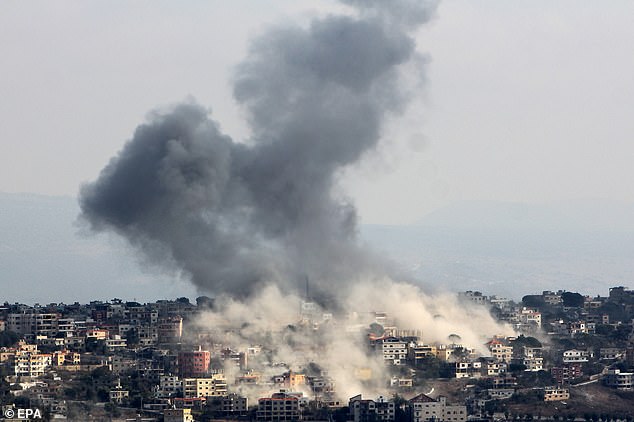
620, 380
393, 350
362, 410
27, 362
468, 369
178, 415
385, 409
500, 351
278, 407
417, 353
552, 298
234, 404
611, 353
567, 372
194, 364
33, 323
575, 356
556, 394
426, 409
169, 386
118, 394
214, 386
170, 329
474, 297
115, 342
492, 368
530, 316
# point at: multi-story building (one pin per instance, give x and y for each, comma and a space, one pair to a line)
361, 410
556, 394
169, 386
567, 372
577, 328
115, 342
492, 368
426, 409
32, 323
385, 409
500, 351
468, 369
148, 335
292, 379
279, 407
96, 334
234, 404
393, 350
118, 394
575, 356
501, 303
27, 362
474, 297
417, 353
552, 298
178, 415
214, 386
194, 364
611, 353
170, 329
530, 357
623, 381
64, 357
530, 316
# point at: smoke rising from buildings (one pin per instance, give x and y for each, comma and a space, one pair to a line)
234, 215
250, 221
339, 346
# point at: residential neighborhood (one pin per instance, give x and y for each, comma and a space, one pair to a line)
571, 358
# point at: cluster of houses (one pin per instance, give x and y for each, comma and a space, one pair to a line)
183, 375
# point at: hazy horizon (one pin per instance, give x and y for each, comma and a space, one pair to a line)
46, 257
479, 115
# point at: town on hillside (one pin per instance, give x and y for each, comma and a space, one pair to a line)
570, 357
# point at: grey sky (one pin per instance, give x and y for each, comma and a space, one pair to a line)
525, 101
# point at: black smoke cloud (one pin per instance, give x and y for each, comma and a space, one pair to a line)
233, 215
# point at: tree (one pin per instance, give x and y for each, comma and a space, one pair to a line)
376, 329
516, 367
8, 338
526, 341
454, 338
132, 337
112, 409
572, 300
399, 405
205, 302
533, 301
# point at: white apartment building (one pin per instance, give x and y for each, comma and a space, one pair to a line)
214, 386
169, 386
29, 363
530, 316
575, 356
501, 352
394, 351
426, 409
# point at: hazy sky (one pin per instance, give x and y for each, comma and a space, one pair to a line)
524, 101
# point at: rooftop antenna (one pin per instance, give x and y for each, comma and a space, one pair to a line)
307, 290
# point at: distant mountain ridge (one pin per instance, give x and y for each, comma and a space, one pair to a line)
44, 257
502, 248
560, 215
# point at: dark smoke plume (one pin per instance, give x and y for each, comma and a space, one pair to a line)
233, 215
